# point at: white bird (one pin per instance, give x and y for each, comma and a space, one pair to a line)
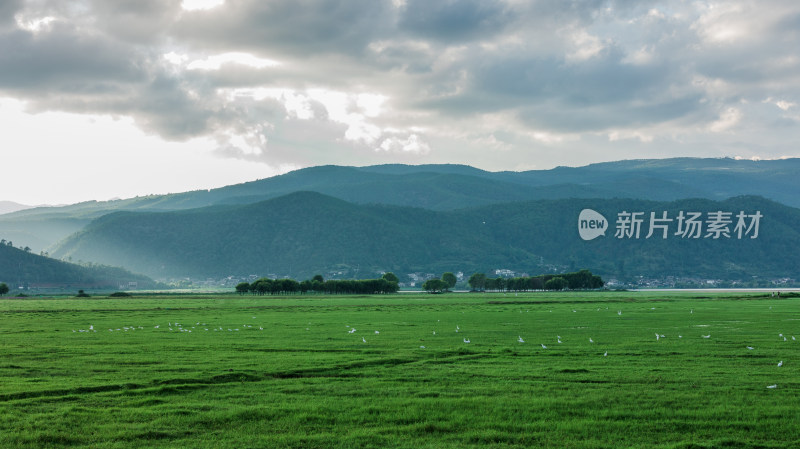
457, 328
780, 364
157, 326
772, 386
657, 337
434, 332
466, 340
750, 348
780, 335
784, 338
605, 354
377, 332
590, 340
422, 347
91, 327
558, 339
363, 339
619, 312
706, 336
793, 339
351, 331
680, 336
543, 346
520, 339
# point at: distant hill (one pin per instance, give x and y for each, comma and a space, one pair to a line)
7, 207
22, 268
305, 233
446, 187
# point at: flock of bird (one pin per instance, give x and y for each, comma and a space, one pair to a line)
178, 327
591, 340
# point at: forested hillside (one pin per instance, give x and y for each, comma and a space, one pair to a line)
305, 233
22, 268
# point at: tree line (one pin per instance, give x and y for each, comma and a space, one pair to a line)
388, 283
579, 280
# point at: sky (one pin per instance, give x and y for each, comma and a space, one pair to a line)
103, 99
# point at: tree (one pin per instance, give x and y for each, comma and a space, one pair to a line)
556, 283
3, 288
450, 279
434, 286
242, 288
477, 281
261, 286
318, 278
391, 277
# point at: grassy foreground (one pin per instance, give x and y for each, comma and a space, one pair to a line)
656, 370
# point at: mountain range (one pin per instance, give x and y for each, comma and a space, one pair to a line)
445, 187
305, 233
431, 218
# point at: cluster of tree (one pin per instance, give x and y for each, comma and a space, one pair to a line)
579, 280
444, 284
386, 284
3, 288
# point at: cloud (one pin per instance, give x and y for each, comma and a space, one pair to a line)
286, 28
61, 59
329, 81
454, 21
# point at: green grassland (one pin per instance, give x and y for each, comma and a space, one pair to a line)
395, 371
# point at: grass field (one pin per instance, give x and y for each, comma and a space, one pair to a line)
633, 369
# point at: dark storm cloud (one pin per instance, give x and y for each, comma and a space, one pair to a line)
8, 9
64, 59
287, 27
135, 21
454, 21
